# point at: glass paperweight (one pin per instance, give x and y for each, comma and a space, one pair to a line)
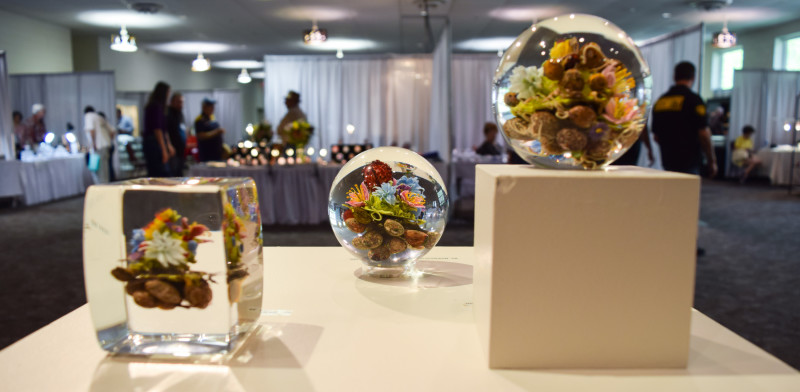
173, 267
388, 206
571, 92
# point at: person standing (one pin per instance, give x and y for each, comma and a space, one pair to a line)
176, 130
124, 123
113, 135
99, 141
33, 128
155, 144
680, 126
293, 114
209, 133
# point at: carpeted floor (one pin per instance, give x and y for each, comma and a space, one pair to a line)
749, 279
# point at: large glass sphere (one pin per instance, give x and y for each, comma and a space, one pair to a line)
572, 92
388, 206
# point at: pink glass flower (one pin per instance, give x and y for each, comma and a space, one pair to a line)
620, 111
412, 199
358, 196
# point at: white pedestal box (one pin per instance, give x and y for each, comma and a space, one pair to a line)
584, 269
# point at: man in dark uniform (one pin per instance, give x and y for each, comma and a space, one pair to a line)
680, 126
209, 133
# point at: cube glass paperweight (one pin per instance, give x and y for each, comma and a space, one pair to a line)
173, 267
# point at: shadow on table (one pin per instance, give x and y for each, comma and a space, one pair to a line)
434, 274
272, 357
706, 358
443, 288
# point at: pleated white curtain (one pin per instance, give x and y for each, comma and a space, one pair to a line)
440, 133
6, 121
64, 97
765, 100
472, 76
662, 55
227, 111
386, 99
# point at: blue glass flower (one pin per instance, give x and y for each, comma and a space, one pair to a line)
136, 239
386, 193
412, 184
192, 246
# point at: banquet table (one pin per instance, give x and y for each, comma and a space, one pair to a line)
325, 328
777, 162
287, 194
45, 180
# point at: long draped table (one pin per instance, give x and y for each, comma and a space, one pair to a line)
325, 329
287, 194
45, 180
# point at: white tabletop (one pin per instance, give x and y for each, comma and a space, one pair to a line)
325, 329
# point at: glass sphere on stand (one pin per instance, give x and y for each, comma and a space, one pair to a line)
572, 92
388, 206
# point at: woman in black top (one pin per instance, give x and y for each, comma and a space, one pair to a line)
156, 146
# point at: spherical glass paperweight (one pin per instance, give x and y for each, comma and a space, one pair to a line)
572, 92
388, 206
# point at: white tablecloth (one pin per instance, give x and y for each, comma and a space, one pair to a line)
45, 180
287, 195
776, 164
325, 329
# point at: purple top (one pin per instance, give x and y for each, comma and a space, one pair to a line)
154, 118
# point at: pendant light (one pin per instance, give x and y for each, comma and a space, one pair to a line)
201, 64
123, 42
724, 39
244, 77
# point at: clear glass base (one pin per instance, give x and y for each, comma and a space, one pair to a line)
389, 271
119, 340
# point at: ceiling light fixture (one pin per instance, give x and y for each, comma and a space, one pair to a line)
724, 39
123, 42
201, 64
339, 53
315, 35
244, 77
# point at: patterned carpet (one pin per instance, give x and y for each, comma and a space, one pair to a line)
749, 279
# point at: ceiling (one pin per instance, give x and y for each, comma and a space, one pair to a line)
248, 29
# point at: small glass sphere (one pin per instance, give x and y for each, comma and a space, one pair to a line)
388, 206
572, 92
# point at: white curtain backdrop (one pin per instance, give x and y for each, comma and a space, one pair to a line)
6, 121
764, 99
472, 76
228, 111
662, 54
65, 96
440, 133
386, 99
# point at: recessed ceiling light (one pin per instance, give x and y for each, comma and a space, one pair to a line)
129, 18
490, 44
526, 14
322, 14
349, 44
238, 64
191, 47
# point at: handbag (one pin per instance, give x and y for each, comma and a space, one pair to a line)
94, 162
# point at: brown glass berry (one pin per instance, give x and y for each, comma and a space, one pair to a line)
511, 99
393, 227
598, 82
163, 291
571, 139
582, 116
354, 226
415, 238
144, 299
553, 70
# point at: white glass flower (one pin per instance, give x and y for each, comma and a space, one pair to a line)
166, 249
525, 81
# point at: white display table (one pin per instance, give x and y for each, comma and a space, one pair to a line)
325, 329
45, 180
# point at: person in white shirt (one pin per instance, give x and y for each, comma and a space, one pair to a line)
99, 139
